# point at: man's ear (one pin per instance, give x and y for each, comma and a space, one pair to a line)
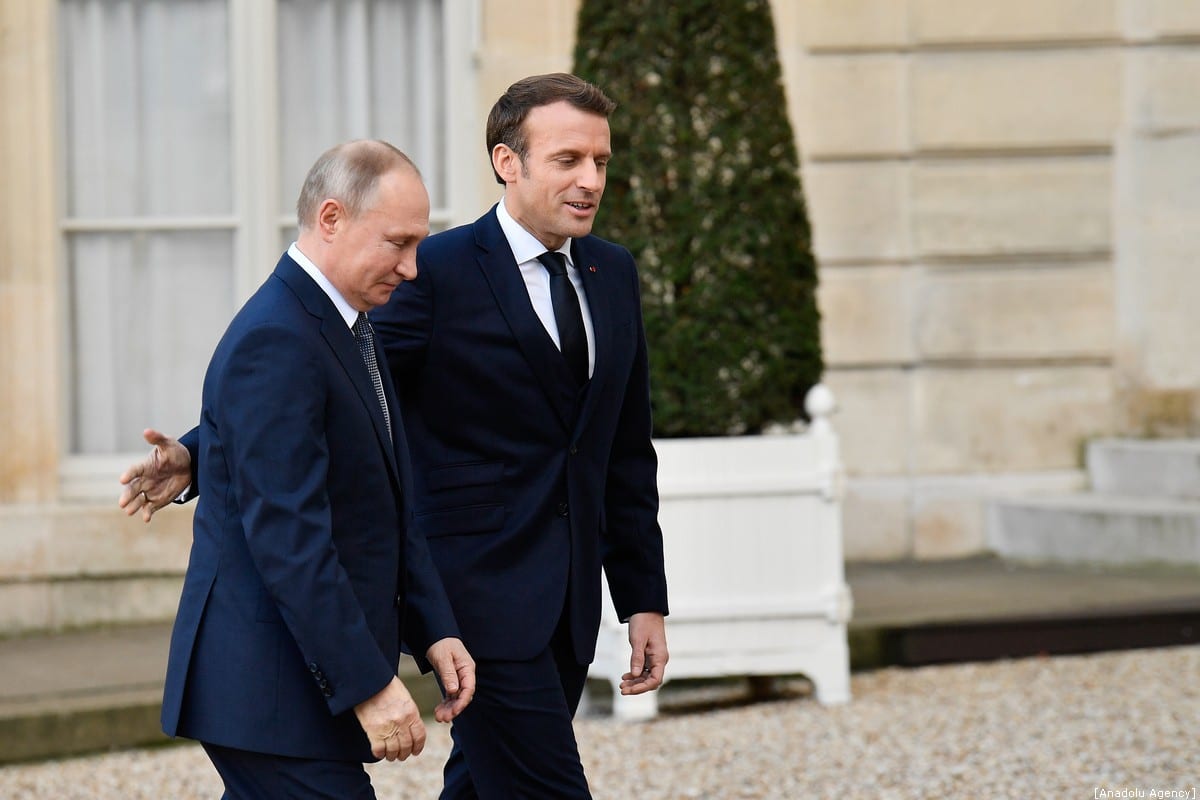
506, 162
330, 216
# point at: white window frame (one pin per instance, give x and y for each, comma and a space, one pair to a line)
256, 223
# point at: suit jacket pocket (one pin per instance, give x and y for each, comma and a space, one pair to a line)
453, 476
464, 519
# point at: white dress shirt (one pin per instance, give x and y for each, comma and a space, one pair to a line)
526, 249
345, 309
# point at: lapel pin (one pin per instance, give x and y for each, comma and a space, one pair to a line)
591, 269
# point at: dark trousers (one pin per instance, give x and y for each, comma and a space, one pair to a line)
515, 739
259, 776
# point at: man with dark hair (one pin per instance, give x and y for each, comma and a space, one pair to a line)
529, 418
520, 358
284, 653
506, 122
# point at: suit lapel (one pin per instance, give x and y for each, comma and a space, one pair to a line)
400, 440
596, 283
341, 341
504, 277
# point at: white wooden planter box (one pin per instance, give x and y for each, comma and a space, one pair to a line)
753, 543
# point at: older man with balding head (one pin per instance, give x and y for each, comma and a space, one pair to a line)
303, 569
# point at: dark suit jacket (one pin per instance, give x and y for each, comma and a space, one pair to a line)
302, 564
524, 485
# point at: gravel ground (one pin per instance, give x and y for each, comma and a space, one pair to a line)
1117, 725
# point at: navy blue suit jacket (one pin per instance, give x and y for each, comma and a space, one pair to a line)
524, 485
302, 563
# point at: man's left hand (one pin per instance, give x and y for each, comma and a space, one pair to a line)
648, 661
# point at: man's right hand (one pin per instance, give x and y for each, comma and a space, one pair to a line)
155, 482
456, 673
392, 722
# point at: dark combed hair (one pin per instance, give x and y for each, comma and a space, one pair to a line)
506, 121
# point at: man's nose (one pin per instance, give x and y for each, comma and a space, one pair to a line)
590, 177
406, 268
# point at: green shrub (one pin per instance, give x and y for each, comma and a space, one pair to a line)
704, 189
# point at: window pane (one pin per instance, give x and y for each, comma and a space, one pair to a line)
354, 69
147, 107
148, 311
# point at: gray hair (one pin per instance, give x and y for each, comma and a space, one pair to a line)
349, 173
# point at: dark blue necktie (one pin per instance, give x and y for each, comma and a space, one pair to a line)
571, 336
364, 335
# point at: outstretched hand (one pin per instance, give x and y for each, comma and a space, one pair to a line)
159, 479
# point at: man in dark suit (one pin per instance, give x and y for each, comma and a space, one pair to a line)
520, 358
284, 654
534, 469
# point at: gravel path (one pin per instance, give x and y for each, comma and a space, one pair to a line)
1109, 725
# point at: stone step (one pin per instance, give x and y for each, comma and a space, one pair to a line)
1094, 528
1145, 467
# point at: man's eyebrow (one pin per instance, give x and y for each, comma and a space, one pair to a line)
576, 151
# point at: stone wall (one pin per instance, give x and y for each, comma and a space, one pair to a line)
29, 323
998, 194
1157, 182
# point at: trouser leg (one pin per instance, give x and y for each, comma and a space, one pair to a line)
260, 776
516, 738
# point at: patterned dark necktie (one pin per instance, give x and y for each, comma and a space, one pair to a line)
572, 338
364, 335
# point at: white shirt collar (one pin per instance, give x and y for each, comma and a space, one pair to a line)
348, 312
524, 245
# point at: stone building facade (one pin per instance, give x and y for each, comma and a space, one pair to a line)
1003, 198
1000, 197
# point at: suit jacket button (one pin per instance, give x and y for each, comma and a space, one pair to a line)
574, 449
562, 509
399, 600
312, 667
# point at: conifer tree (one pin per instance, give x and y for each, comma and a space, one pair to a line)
704, 189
